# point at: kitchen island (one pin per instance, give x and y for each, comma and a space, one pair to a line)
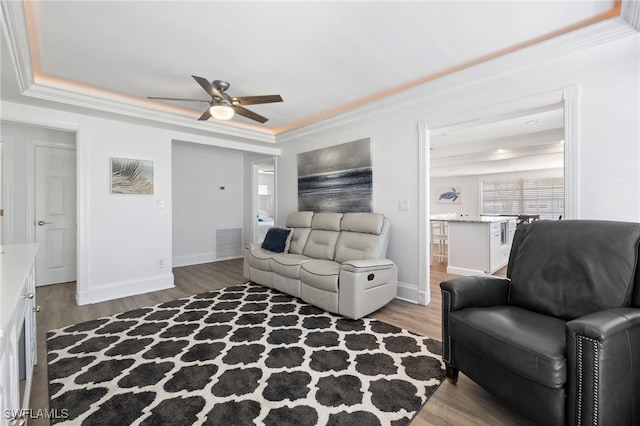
479, 245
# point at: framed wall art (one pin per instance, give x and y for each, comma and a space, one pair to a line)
336, 179
449, 195
131, 176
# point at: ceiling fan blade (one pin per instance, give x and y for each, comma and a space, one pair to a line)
208, 87
249, 114
176, 99
205, 115
253, 100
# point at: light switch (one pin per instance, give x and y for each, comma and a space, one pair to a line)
403, 205
160, 204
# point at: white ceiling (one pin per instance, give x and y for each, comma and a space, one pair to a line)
323, 57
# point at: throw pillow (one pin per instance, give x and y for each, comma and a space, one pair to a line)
277, 240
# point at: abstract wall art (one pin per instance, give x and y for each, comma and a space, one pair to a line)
336, 179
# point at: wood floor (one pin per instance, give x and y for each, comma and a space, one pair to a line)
462, 404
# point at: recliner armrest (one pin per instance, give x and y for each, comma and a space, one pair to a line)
366, 265
476, 291
604, 324
252, 246
603, 350
467, 292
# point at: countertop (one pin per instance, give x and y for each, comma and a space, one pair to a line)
480, 219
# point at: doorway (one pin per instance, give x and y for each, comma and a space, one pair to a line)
264, 197
566, 99
39, 185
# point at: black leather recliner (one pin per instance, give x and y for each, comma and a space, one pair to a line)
558, 340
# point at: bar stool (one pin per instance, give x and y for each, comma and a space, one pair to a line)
439, 240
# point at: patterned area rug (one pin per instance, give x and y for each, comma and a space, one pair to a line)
242, 355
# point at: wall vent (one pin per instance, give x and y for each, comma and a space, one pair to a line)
228, 242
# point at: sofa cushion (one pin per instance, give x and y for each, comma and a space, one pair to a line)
288, 264
321, 274
369, 223
355, 246
299, 237
321, 244
277, 240
536, 350
300, 224
299, 220
326, 221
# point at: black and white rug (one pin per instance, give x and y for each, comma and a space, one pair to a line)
242, 355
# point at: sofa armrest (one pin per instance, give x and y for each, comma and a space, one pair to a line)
603, 350
252, 246
366, 265
477, 291
365, 286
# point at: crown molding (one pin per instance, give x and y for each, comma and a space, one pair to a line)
631, 13
131, 109
15, 30
575, 41
13, 18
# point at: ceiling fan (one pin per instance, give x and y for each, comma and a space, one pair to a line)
222, 106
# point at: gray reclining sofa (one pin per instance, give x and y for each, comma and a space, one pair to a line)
334, 261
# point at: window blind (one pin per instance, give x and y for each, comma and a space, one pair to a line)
542, 196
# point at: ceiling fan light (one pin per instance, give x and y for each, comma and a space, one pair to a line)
221, 112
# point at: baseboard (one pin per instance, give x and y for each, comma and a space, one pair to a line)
407, 292
194, 259
197, 259
464, 271
126, 288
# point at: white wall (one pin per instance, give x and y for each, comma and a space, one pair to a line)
470, 187
126, 234
199, 206
608, 168
394, 155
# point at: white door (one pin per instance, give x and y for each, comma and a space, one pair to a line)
55, 214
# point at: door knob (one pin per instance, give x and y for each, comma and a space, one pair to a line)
43, 223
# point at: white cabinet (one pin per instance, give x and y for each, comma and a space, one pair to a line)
17, 331
479, 246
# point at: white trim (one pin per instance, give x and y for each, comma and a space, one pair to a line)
574, 41
129, 108
424, 188
631, 13
126, 288
570, 99
82, 190
194, 259
407, 292
8, 184
82, 205
15, 30
13, 16
465, 271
